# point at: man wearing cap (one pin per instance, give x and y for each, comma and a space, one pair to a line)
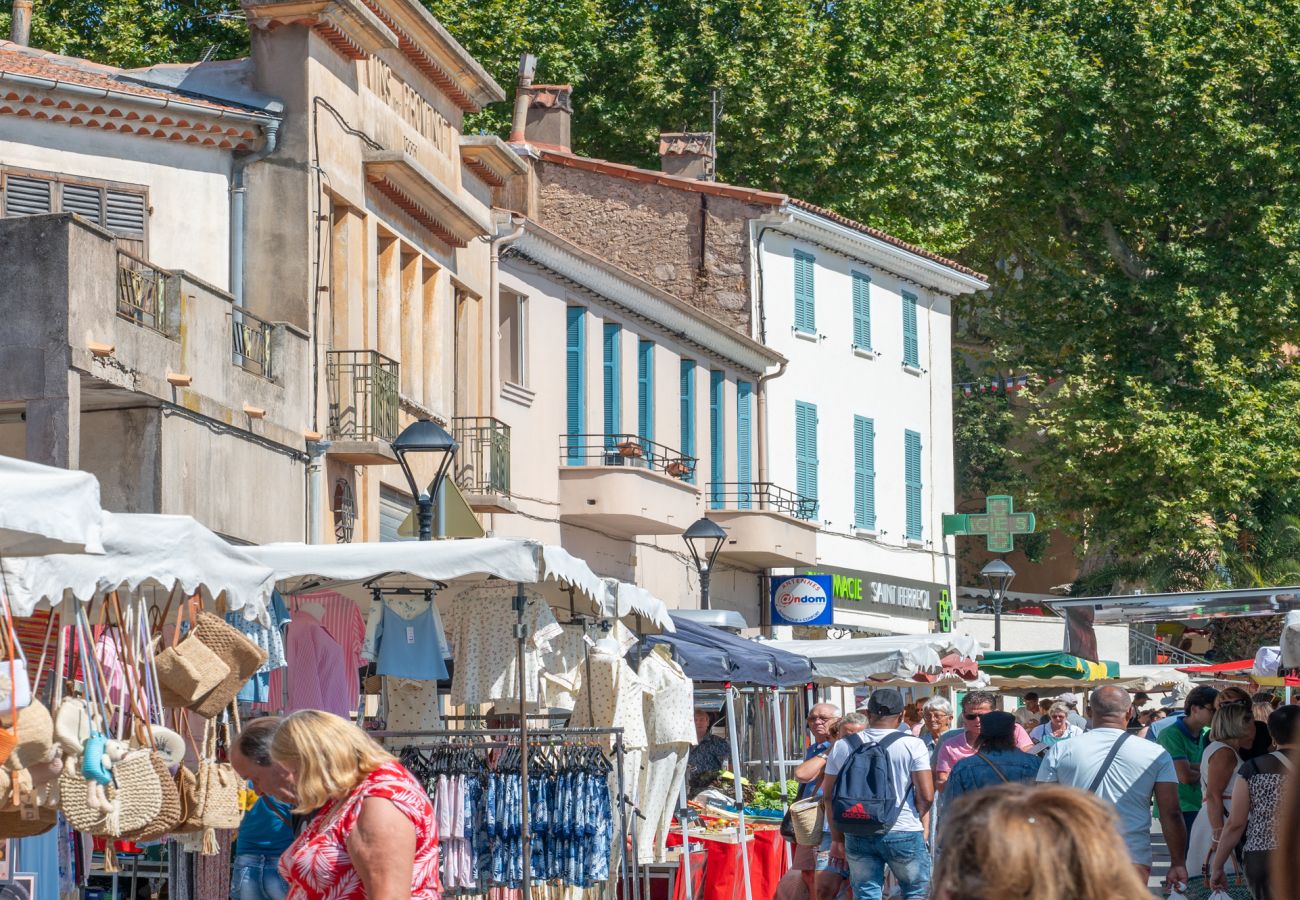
902, 849
953, 749
996, 759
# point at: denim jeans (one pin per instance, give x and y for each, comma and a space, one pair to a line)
257, 877
904, 852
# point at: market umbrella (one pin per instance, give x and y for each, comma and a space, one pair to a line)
856, 660
47, 510
167, 552
1243, 666
1045, 665
748, 662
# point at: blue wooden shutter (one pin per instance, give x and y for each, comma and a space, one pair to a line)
805, 451
717, 462
575, 381
612, 363
911, 348
744, 464
861, 311
912, 481
688, 411
645, 393
864, 473
805, 307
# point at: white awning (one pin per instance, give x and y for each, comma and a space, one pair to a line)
167, 552
346, 567
635, 600
856, 660
47, 510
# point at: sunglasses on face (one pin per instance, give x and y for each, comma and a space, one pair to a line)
971, 717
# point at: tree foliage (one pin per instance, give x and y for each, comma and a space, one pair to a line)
1125, 171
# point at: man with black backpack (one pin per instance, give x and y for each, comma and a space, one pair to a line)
878, 788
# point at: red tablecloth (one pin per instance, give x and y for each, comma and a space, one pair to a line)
723, 872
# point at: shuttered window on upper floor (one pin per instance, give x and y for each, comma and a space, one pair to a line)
861, 311
912, 485
122, 209
911, 342
805, 451
805, 307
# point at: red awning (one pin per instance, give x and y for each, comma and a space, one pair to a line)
1240, 665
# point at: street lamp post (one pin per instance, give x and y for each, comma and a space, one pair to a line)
997, 577
704, 539
425, 436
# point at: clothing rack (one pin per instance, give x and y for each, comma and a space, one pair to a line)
629, 869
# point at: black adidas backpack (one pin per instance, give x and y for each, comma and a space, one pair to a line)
864, 801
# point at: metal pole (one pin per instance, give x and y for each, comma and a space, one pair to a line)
739, 793
780, 758
684, 820
521, 635
622, 821
424, 513
997, 620
704, 588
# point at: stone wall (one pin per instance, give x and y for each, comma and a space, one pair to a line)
693, 245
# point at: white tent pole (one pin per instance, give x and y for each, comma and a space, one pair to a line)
739, 792
780, 758
688, 892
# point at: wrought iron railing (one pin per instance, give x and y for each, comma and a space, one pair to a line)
761, 495
483, 460
1147, 650
250, 342
142, 292
627, 450
363, 395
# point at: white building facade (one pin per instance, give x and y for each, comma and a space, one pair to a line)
861, 421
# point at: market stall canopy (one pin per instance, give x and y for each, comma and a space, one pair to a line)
635, 600
714, 654
1044, 668
858, 660
166, 552
347, 567
1152, 678
1235, 667
1183, 606
47, 510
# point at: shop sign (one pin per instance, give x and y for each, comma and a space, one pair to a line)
802, 600
870, 592
945, 611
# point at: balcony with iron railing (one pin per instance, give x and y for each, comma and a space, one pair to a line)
626, 484
142, 292
482, 466
250, 342
763, 495
363, 405
768, 526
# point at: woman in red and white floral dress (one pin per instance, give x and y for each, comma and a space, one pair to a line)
373, 835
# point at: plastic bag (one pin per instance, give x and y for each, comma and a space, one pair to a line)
1220, 895
1177, 892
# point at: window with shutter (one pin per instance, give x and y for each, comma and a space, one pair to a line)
805, 451
911, 347
645, 393
612, 366
912, 484
861, 311
83, 200
744, 456
28, 196
125, 214
688, 411
717, 462
575, 382
864, 473
805, 308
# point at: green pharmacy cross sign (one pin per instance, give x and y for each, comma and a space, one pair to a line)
999, 523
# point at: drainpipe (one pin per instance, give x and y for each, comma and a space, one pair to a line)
316, 451
519, 121
762, 426
20, 27
271, 130
494, 314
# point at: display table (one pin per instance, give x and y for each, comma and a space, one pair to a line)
723, 870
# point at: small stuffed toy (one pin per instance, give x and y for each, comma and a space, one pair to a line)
99, 755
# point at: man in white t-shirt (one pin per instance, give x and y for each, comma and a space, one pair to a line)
903, 847
1126, 777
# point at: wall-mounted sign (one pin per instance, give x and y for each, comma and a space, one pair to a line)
944, 612
802, 600
882, 594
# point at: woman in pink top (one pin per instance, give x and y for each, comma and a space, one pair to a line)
373, 835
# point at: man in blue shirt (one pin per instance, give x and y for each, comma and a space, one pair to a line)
996, 759
267, 829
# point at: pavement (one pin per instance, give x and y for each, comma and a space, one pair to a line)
1160, 863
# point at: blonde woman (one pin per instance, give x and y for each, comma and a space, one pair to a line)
1231, 731
372, 833
1046, 842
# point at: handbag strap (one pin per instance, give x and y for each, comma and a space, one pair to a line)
993, 766
13, 668
45, 649
1110, 758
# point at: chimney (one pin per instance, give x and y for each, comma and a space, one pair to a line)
546, 113
688, 154
20, 27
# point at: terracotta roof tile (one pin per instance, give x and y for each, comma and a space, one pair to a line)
748, 195
21, 60
887, 238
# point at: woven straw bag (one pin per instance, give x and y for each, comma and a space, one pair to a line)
74, 800
31, 811
219, 786
806, 819
169, 811
189, 669
242, 655
35, 737
187, 789
139, 796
